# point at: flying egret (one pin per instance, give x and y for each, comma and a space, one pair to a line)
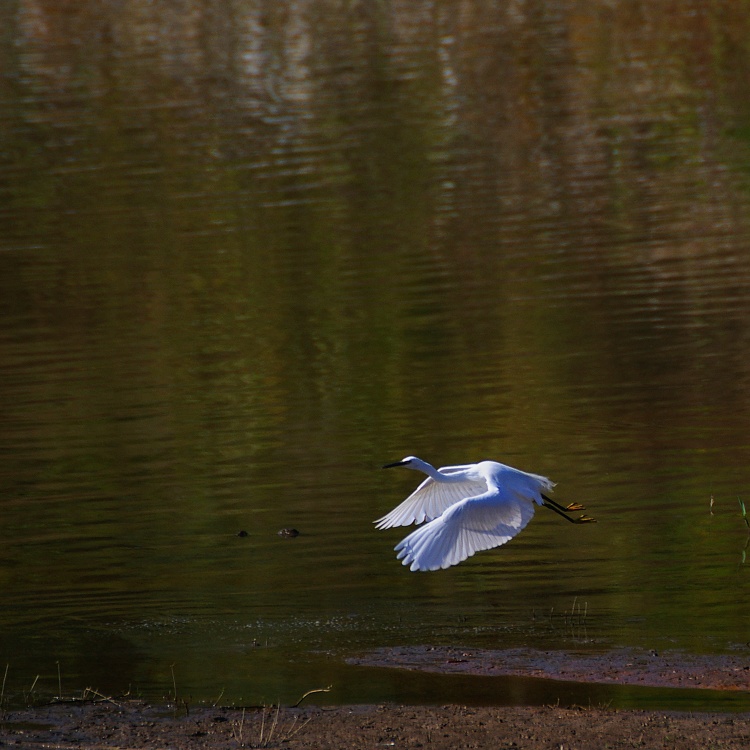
469, 508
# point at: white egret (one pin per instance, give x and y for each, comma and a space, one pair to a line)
469, 508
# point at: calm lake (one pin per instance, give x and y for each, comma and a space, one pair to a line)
250, 252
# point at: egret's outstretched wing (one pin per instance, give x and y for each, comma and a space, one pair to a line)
431, 499
469, 526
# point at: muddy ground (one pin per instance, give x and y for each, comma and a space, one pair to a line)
137, 725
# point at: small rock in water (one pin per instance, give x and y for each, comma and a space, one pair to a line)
290, 533
242, 533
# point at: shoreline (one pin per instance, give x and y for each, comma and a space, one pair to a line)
625, 666
110, 724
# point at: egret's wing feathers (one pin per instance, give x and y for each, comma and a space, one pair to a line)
474, 524
431, 499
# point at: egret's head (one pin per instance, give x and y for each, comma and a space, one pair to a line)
410, 462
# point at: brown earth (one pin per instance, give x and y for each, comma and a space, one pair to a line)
137, 725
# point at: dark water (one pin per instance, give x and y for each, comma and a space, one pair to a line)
251, 251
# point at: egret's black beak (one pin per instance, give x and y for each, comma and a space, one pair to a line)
397, 463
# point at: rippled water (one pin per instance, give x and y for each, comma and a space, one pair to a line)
249, 255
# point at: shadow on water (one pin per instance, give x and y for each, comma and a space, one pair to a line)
375, 685
331, 682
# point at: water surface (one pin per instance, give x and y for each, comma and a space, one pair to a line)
249, 254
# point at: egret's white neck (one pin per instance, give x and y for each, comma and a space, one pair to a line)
419, 465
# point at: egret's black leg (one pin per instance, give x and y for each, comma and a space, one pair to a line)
569, 507
561, 512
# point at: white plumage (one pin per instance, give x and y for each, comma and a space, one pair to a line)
468, 508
